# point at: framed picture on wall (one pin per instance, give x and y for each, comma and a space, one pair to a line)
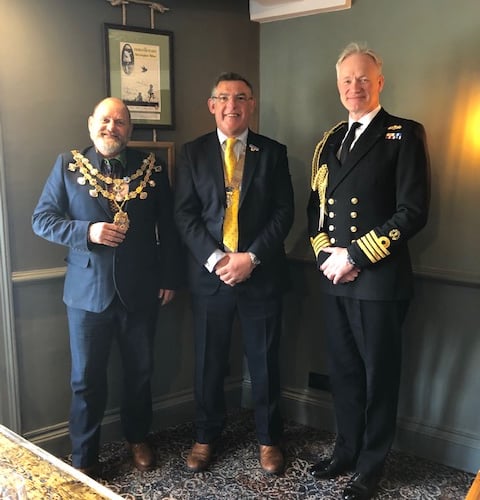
163, 150
139, 70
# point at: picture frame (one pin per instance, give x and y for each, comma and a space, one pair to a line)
139, 70
163, 150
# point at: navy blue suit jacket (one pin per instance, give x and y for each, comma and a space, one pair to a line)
148, 258
265, 212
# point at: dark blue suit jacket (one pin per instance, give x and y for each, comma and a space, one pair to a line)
265, 212
148, 258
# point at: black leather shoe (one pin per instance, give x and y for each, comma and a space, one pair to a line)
361, 486
327, 469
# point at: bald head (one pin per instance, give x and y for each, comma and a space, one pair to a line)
110, 126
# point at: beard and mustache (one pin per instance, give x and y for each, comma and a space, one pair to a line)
109, 145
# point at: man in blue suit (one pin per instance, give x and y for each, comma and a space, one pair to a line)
112, 207
234, 225
369, 197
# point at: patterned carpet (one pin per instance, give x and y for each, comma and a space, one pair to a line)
236, 474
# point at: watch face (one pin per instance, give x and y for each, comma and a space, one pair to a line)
254, 259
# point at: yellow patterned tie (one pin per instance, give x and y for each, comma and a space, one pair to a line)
230, 224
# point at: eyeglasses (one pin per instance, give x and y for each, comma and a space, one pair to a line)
237, 99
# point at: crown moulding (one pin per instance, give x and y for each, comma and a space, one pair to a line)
265, 11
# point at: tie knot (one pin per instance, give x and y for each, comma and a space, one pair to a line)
347, 143
352, 129
230, 158
230, 142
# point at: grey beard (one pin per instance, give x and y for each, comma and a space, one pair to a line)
110, 148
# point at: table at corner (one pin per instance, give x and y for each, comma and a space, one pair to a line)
46, 476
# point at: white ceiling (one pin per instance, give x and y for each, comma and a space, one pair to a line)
275, 10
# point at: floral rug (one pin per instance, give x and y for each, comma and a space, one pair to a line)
236, 473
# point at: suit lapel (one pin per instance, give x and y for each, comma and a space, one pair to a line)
94, 158
214, 162
252, 156
335, 173
374, 132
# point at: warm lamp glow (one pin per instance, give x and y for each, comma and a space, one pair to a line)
464, 144
472, 124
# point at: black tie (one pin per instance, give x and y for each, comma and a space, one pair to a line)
347, 143
114, 168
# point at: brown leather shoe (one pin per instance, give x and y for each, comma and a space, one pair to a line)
142, 456
271, 459
199, 457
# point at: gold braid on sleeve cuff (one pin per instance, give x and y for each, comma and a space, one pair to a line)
320, 241
374, 247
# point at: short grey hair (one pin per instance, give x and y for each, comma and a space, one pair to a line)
358, 48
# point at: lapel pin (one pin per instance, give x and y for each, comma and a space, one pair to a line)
253, 148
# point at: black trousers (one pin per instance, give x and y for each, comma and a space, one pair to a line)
260, 321
365, 351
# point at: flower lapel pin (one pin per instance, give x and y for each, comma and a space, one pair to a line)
253, 148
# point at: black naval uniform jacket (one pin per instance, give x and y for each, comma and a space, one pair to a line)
374, 204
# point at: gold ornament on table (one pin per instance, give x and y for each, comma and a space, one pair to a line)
115, 190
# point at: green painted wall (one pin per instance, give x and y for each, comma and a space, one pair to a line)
432, 72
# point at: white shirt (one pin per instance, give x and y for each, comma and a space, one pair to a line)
364, 121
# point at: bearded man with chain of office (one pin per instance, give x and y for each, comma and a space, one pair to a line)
112, 207
369, 196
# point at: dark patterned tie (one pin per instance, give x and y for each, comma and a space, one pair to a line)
347, 143
114, 168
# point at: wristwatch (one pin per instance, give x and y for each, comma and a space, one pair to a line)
255, 260
350, 260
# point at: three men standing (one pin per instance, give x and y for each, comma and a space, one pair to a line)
234, 209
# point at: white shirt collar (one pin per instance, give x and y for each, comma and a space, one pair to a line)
365, 120
241, 137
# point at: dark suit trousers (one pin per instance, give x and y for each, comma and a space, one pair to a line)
260, 321
364, 342
91, 336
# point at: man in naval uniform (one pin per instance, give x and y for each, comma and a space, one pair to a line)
369, 197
